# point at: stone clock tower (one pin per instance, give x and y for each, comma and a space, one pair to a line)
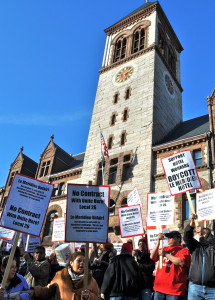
138, 102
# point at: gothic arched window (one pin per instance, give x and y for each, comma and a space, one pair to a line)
49, 223
124, 202
171, 59
138, 42
120, 49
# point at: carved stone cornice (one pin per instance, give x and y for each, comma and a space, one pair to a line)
58, 198
131, 19
127, 59
65, 174
166, 147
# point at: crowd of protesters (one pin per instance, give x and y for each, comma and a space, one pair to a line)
175, 272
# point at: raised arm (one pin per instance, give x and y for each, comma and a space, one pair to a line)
154, 254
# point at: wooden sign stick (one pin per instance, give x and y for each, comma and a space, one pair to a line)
161, 247
191, 206
7, 270
27, 242
86, 267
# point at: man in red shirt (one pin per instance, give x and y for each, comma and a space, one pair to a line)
171, 279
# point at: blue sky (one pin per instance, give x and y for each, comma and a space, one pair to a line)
50, 54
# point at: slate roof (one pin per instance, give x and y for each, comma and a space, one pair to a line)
63, 155
188, 129
78, 160
29, 164
139, 9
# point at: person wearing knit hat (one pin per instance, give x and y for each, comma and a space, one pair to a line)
121, 278
126, 248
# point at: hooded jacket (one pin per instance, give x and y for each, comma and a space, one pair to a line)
202, 268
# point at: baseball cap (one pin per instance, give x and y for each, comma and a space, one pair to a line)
173, 234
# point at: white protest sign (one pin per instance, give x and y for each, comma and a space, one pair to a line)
48, 250
34, 241
152, 237
131, 223
58, 233
87, 213
78, 245
8, 247
26, 205
180, 172
6, 234
160, 209
117, 247
205, 205
133, 197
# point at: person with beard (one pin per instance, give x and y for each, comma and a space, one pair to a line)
146, 267
202, 269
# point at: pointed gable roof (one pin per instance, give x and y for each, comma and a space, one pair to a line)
27, 163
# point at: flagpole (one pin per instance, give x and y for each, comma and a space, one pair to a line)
103, 144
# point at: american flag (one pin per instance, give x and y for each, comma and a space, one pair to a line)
105, 149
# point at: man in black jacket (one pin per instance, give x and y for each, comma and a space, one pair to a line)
202, 269
121, 279
146, 267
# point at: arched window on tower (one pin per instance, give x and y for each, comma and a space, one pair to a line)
124, 202
138, 42
49, 223
127, 93
113, 119
171, 59
110, 142
112, 207
120, 49
125, 115
162, 43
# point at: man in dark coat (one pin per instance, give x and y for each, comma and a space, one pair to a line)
146, 267
121, 279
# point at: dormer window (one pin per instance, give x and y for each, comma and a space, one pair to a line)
120, 49
45, 168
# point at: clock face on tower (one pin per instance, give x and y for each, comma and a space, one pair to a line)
169, 84
124, 74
